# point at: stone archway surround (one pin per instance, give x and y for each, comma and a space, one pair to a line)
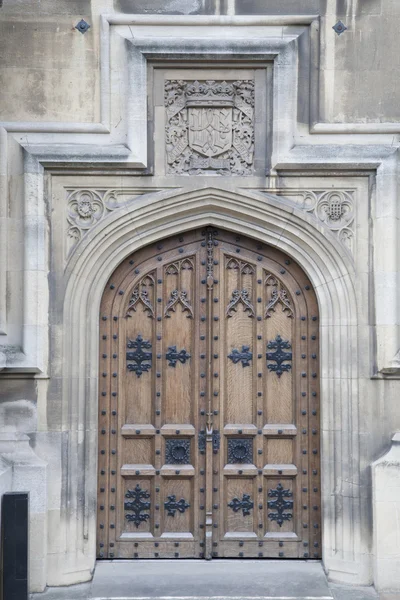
331, 271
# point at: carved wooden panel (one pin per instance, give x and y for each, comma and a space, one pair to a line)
208, 403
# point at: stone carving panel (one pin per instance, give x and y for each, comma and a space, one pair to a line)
86, 207
209, 127
334, 208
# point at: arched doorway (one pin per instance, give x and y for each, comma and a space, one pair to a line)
208, 403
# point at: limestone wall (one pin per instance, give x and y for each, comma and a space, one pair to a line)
74, 116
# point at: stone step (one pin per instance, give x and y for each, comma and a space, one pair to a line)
202, 580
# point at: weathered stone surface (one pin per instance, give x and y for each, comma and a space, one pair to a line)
24, 8
324, 189
386, 507
279, 7
168, 7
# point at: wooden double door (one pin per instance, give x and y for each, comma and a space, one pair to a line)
208, 440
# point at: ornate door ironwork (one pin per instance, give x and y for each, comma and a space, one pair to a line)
208, 403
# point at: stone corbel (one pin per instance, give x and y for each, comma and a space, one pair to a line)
394, 366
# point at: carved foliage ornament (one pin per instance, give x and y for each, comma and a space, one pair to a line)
209, 127
142, 294
278, 295
240, 297
178, 297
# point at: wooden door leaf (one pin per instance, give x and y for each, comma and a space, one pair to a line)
208, 419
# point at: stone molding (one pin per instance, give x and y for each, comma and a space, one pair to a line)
86, 207
334, 209
331, 271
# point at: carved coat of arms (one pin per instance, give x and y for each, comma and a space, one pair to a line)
210, 127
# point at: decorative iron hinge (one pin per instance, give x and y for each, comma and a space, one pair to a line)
172, 505
216, 440
279, 356
173, 356
137, 503
245, 504
280, 504
243, 356
141, 358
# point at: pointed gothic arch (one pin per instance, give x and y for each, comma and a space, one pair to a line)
273, 221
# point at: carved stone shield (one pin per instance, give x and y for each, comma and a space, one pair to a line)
210, 130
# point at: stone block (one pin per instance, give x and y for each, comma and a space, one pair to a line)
166, 7
277, 7
386, 515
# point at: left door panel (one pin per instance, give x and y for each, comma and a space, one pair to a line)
151, 477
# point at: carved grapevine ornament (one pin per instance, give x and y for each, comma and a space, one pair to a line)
209, 127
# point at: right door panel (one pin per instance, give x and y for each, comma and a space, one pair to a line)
264, 368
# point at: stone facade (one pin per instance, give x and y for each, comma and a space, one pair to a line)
260, 117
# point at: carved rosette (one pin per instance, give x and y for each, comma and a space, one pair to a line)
86, 207
209, 127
